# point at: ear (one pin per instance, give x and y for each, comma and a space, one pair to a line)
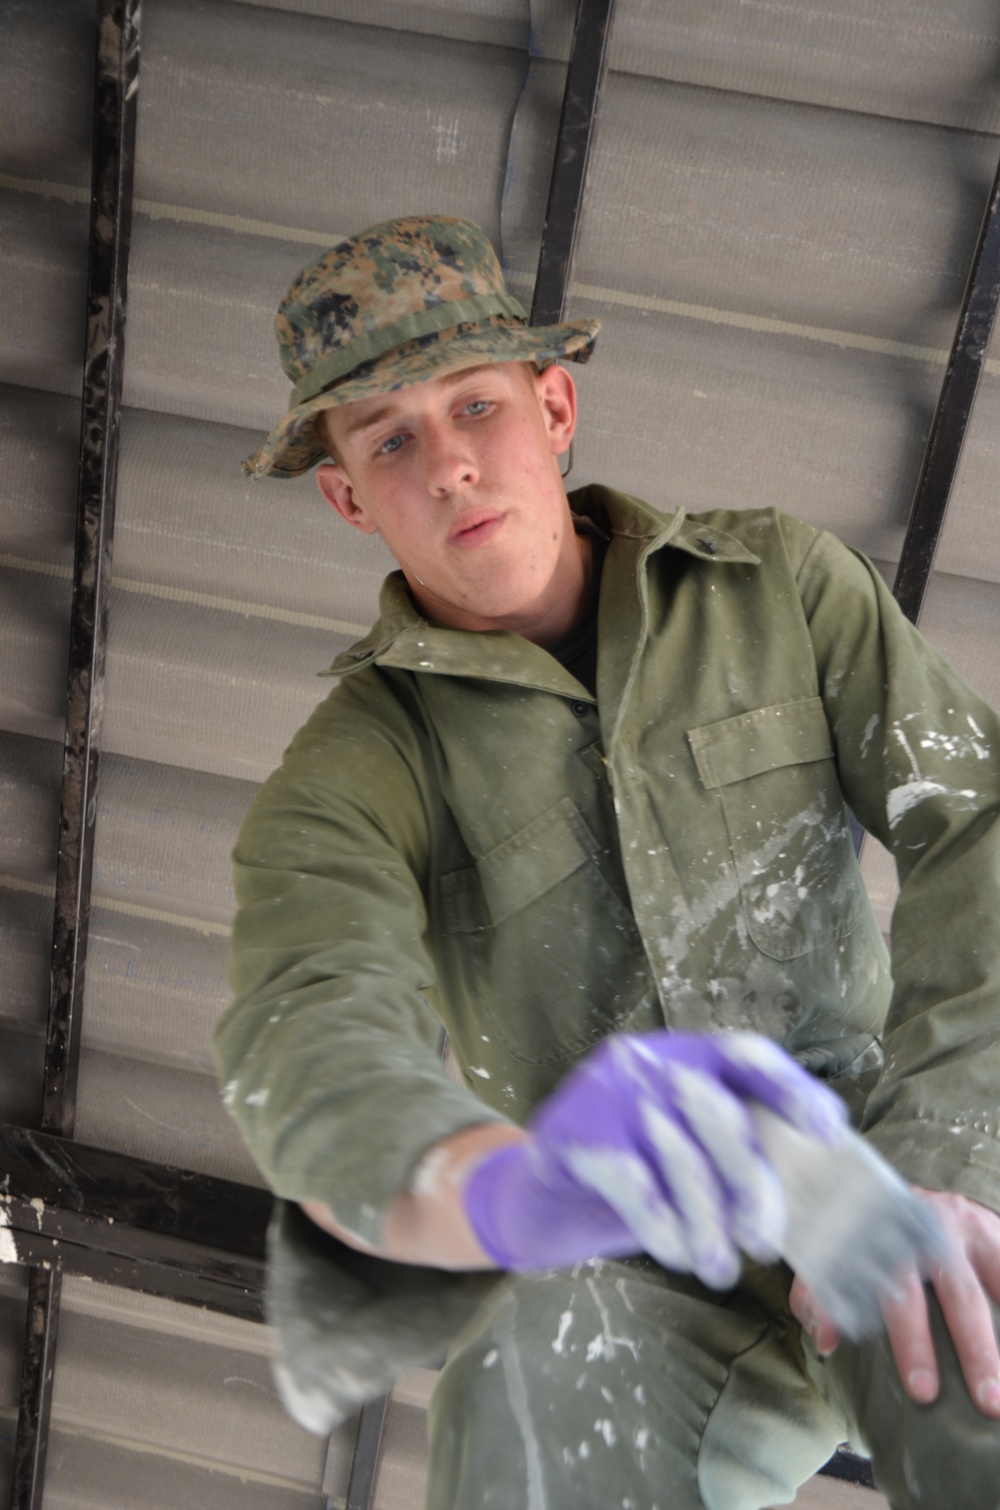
556, 392
337, 488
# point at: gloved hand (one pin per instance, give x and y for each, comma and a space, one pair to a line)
649, 1145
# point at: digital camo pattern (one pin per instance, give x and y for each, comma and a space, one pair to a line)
396, 275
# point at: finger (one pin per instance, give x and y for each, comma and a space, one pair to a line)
762, 1069
723, 1127
983, 1248
904, 1310
806, 1309
967, 1313
694, 1191
630, 1189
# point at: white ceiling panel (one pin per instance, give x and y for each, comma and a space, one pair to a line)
263, 544
781, 210
25, 951
324, 125
164, 837
48, 88
961, 618
156, 1111
30, 777
102, 1361
814, 216
23, 1055
212, 689
39, 456
34, 649
154, 990
45, 284
916, 59
688, 413
501, 23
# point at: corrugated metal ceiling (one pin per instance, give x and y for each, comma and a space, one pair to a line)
782, 206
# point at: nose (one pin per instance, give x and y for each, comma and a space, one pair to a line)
449, 464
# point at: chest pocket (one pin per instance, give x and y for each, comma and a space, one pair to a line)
553, 954
776, 777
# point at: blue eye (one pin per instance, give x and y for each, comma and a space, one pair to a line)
388, 447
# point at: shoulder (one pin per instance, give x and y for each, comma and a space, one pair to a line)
769, 533
363, 750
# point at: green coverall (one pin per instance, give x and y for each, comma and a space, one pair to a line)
462, 834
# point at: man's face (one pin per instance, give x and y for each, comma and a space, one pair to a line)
460, 476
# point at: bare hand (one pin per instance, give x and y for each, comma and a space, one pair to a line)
965, 1283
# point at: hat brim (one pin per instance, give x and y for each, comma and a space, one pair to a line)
292, 447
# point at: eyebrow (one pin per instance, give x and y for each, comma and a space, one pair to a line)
480, 369
352, 427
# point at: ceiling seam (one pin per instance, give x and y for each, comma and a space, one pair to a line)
190, 595
757, 324
115, 904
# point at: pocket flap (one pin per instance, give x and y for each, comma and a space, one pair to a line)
762, 740
519, 871
533, 860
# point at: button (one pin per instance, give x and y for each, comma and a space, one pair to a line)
580, 709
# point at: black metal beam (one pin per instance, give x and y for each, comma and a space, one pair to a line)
101, 1187
220, 1283
35, 1403
115, 80
110, 225
129, 1222
364, 1464
120, 1220
951, 420
588, 60
120, 1204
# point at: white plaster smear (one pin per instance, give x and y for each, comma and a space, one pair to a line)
902, 798
565, 1322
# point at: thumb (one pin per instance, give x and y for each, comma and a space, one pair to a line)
807, 1310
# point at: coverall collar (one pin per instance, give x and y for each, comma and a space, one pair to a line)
401, 638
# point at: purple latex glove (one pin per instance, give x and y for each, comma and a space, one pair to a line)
648, 1145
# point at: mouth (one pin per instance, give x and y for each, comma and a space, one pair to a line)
475, 527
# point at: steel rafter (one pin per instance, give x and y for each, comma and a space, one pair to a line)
364, 1464
35, 1397
588, 60
131, 1222
951, 419
116, 77
110, 224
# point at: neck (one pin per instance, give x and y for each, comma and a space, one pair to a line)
569, 610
565, 602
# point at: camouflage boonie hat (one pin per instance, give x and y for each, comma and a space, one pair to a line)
399, 303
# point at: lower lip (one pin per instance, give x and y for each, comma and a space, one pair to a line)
479, 533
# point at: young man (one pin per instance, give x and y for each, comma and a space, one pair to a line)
586, 777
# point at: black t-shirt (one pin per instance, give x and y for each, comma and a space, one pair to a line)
577, 648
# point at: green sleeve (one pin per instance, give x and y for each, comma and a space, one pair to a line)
919, 760
329, 1054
